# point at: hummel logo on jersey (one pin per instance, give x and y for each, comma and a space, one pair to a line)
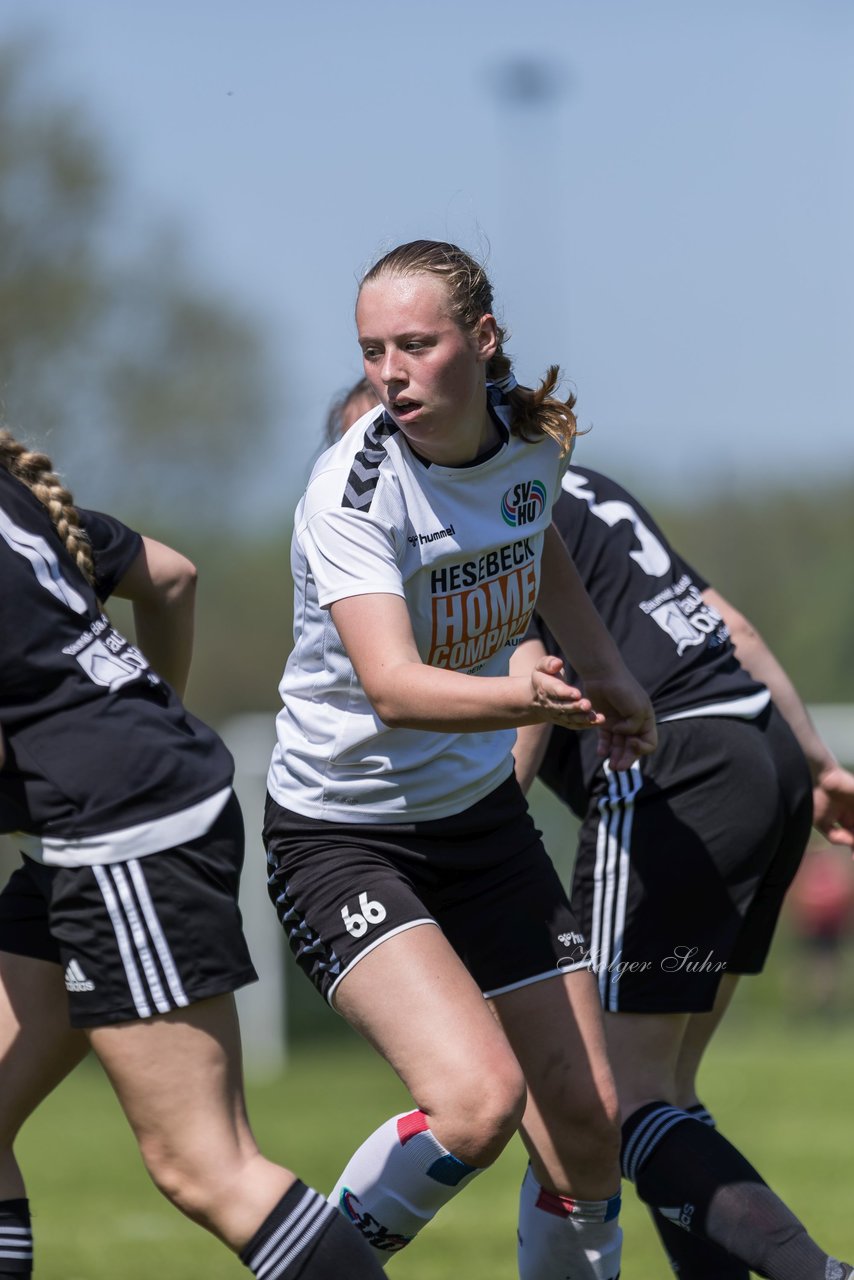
75, 978
415, 538
567, 938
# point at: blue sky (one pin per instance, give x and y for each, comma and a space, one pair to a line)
672, 224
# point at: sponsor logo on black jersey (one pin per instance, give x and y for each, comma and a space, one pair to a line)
523, 503
106, 657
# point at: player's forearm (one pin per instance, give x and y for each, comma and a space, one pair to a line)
756, 658
161, 584
570, 614
416, 696
762, 665
164, 633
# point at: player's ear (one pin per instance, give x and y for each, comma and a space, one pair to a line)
486, 337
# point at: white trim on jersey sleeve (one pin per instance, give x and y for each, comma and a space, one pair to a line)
350, 553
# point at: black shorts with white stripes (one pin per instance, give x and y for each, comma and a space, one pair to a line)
141, 937
483, 876
684, 860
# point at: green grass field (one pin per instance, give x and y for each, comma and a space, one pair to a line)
786, 1095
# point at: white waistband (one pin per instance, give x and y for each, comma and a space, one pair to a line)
742, 708
132, 842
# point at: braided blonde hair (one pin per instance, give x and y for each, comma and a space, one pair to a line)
35, 470
534, 413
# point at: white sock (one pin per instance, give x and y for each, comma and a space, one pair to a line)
397, 1180
561, 1238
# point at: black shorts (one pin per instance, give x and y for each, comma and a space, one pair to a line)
141, 937
684, 861
341, 889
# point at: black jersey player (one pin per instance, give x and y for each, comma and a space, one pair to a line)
120, 931
682, 865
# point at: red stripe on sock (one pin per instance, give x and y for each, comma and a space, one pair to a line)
551, 1202
408, 1126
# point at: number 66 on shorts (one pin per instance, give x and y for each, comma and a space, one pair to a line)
357, 922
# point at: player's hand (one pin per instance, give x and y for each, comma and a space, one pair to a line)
628, 728
561, 703
833, 805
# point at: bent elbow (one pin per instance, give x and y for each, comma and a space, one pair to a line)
389, 713
183, 581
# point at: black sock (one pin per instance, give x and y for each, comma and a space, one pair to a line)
691, 1257
306, 1237
698, 1180
16, 1240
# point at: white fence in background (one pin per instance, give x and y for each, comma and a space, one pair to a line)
263, 1005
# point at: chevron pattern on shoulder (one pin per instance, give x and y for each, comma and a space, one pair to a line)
365, 471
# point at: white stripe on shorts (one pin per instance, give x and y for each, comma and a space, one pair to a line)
158, 937
134, 981
140, 940
126, 913
611, 878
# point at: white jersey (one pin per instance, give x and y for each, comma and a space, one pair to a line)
462, 546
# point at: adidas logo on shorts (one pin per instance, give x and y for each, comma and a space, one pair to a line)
75, 978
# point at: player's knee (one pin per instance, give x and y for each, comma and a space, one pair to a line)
589, 1143
182, 1182
485, 1112
599, 1143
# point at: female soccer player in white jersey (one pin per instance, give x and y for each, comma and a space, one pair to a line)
419, 549
120, 932
682, 865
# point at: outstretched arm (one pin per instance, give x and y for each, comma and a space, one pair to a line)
833, 794
161, 585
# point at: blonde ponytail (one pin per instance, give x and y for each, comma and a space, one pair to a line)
35, 470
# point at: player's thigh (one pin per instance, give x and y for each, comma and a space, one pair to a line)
38, 1046
414, 1000
178, 1077
570, 1125
555, 1029
353, 900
